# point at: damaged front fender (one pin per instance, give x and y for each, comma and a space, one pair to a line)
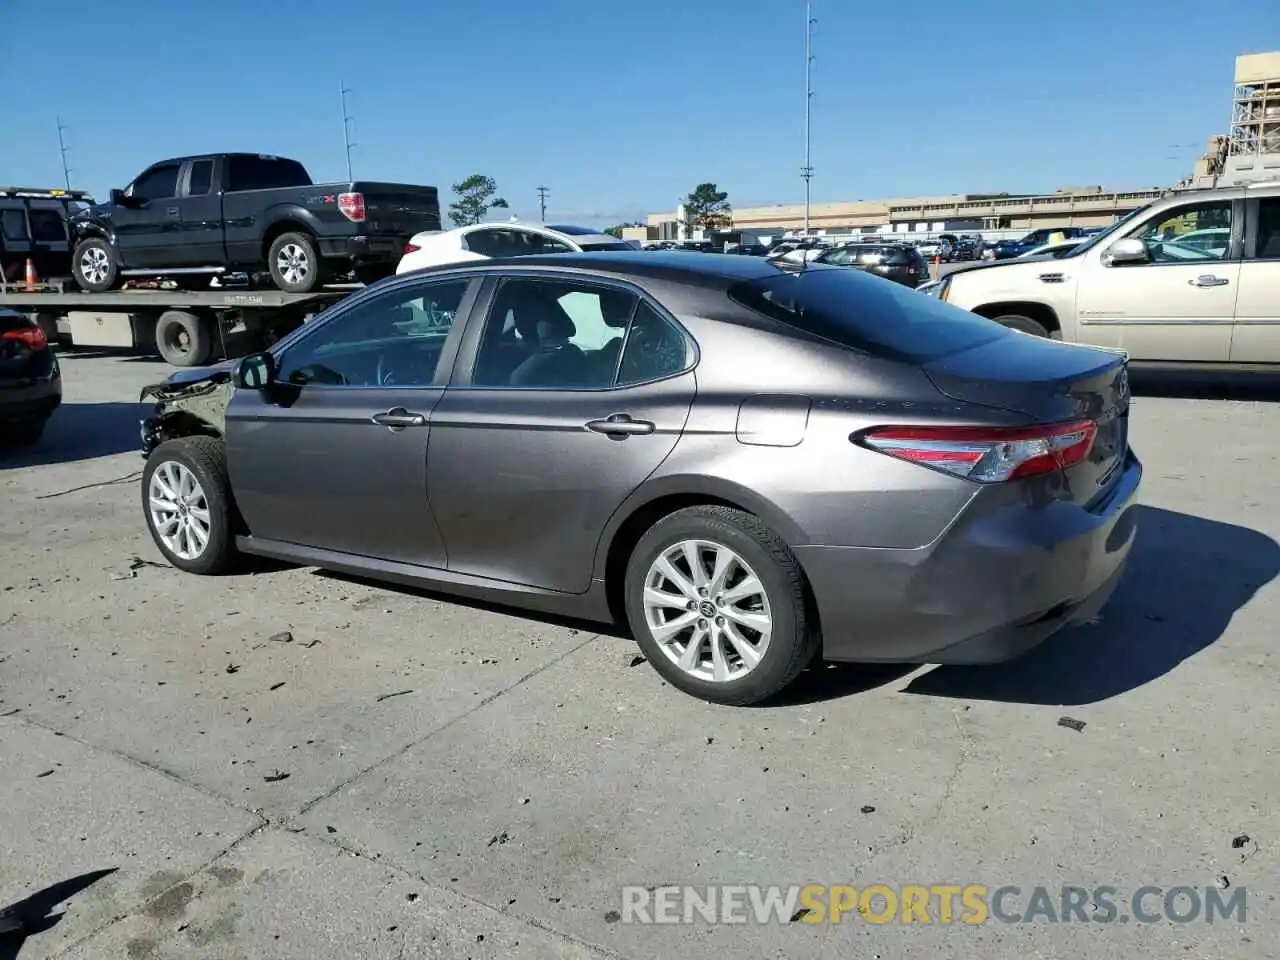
186, 404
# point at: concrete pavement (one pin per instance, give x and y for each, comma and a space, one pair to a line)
290, 764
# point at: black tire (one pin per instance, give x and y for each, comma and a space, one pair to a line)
371, 273
794, 638
206, 458
1016, 321
300, 249
184, 339
104, 274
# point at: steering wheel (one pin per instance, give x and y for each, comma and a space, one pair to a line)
384, 376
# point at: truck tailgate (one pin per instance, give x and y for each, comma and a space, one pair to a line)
399, 209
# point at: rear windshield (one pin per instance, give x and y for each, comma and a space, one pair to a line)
867, 314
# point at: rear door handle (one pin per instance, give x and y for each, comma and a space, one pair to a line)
399, 417
1207, 280
619, 426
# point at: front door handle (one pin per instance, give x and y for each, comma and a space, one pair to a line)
619, 426
399, 417
1208, 280
172, 211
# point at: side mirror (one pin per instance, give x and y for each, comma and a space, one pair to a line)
1128, 250
118, 198
256, 371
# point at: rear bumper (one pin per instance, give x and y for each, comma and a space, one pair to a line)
363, 249
31, 398
997, 583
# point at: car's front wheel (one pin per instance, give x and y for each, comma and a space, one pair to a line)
718, 604
186, 499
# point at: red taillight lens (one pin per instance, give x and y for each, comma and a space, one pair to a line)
410, 248
352, 206
987, 454
32, 336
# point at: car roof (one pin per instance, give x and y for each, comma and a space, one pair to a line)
688, 267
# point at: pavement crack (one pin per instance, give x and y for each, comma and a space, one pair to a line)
128, 478
910, 830
555, 661
139, 762
72, 947
416, 877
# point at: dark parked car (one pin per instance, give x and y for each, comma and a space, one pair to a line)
198, 217
30, 381
33, 224
1008, 249
683, 442
893, 261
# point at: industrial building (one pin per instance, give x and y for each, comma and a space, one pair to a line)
1249, 151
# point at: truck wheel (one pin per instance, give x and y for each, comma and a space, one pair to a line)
183, 339
94, 265
1015, 321
295, 266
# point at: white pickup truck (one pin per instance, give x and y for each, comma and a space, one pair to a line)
1192, 277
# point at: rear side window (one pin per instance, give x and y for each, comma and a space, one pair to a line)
865, 314
201, 178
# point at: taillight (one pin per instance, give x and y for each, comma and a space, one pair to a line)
987, 454
352, 206
33, 337
410, 248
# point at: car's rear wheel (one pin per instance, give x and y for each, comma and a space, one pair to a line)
718, 604
186, 499
1016, 321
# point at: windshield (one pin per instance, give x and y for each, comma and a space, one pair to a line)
1091, 242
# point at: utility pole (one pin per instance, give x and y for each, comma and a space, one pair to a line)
807, 170
63, 148
347, 122
542, 203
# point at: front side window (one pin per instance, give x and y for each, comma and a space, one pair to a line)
557, 334
158, 183
392, 340
1196, 232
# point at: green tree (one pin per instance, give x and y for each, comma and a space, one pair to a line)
475, 199
707, 208
617, 228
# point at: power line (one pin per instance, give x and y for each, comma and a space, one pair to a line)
542, 203
63, 150
807, 170
347, 122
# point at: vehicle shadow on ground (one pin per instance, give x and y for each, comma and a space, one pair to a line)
1227, 385
33, 915
81, 431
1186, 579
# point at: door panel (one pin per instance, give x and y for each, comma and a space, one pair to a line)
523, 488
201, 207
145, 233
321, 473
1256, 338
1180, 306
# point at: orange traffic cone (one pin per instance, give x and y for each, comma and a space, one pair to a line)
32, 279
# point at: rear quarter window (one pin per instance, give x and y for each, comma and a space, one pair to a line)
867, 314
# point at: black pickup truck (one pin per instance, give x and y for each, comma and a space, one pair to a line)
202, 216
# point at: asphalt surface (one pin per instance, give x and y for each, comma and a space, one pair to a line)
286, 764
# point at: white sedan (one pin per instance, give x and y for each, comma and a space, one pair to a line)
484, 241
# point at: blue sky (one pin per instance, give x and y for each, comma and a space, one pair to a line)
621, 107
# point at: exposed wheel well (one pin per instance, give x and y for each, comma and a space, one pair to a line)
276, 229
1036, 311
182, 423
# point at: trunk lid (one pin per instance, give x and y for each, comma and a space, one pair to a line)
1049, 382
400, 209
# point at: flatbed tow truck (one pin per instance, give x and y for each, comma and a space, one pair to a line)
187, 328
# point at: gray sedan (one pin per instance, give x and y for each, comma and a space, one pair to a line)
751, 465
